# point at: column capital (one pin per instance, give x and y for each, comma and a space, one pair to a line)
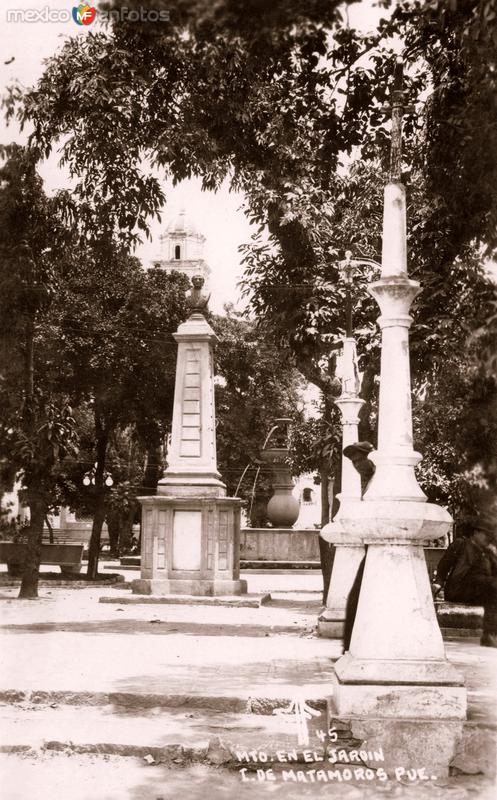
395, 295
349, 409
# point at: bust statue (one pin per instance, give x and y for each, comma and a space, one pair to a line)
197, 300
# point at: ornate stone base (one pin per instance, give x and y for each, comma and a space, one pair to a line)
425, 747
401, 702
190, 545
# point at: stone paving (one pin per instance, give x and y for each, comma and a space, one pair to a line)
174, 676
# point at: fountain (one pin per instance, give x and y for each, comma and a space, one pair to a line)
283, 508
280, 544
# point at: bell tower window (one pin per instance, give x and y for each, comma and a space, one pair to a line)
307, 495
177, 253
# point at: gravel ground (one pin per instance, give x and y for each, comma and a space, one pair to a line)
75, 777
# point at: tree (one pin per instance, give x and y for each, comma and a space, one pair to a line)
255, 384
276, 98
36, 428
116, 322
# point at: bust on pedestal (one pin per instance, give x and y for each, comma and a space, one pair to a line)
190, 529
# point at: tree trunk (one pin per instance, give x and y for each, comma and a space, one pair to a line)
37, 505
96, 531
31, 571
99, 515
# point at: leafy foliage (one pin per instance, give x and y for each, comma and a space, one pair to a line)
255, 384
278, 98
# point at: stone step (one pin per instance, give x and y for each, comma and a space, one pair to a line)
93, 777
146, 701
187, 732
232, 601
185, 735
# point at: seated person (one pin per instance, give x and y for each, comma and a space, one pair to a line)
467, 572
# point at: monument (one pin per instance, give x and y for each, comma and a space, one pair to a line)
349, 548
396, 667
190, 529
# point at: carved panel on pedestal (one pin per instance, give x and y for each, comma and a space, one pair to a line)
187, 529
210, 516
160, 562
148, 541
223, 539
190, 422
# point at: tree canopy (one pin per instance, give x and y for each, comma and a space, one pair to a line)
286, 101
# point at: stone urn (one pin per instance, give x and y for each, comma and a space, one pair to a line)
283, 508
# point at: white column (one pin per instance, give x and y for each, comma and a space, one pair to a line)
396, 664
349, 549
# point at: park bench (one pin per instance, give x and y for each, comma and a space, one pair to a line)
66, 556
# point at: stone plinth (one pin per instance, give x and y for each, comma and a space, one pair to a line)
279, 544
190, 545
426, 747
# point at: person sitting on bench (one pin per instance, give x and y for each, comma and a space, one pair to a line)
467, 572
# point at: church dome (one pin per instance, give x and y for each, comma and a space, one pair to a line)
182, 224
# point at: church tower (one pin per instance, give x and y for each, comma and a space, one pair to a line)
182, 248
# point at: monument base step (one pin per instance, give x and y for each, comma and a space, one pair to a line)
235, 601
261, 564
195, 587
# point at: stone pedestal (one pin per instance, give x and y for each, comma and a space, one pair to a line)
191, 530
190, 546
